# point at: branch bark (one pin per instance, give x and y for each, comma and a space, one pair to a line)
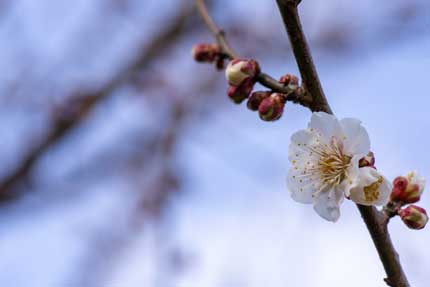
375, 220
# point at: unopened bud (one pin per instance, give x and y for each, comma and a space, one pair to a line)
256, 98
414, 217
271, 108
368, 160
240, 93
408, 189
238, 70
205, 52
290, 81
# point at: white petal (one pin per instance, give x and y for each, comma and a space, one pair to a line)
300, 143
325, 124
301, 180
327, 203
352, 176
372, 188
355, 137
300, 191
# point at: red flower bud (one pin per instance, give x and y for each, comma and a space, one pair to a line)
240, 93
238, 70
205, 52
271, 108
414, 217
290, 81
256, 98
368, 160
407, 189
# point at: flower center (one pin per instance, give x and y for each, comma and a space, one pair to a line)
333, 163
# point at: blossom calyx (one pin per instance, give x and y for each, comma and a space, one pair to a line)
290, 81
272, 107
205, 52
368, 160
256, 98
238, 70
239, 93
408, 189
414, 217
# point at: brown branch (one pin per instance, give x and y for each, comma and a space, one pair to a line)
263, 78
375, 221
302, 54
377, 225
85, 103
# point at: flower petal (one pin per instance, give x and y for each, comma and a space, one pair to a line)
300, 143
352, 176
302, 178
325, 124
355, 140
372, 188
327, 203
300, 191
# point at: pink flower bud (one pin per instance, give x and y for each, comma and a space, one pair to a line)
407, 189
290, 81
240, 93
256, 98
238, 70
414, 217
205, 52
271, 108
368, 160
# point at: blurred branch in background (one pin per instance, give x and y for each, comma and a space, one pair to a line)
73, 112
153, 195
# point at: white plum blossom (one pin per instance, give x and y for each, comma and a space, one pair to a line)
325, 166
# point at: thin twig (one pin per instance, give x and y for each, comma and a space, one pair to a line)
375, 221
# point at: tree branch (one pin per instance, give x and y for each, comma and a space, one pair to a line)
303, 55
375, 221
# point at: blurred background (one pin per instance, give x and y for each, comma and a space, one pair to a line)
123, 163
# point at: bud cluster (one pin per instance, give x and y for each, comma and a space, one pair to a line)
241, 75
406, 190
